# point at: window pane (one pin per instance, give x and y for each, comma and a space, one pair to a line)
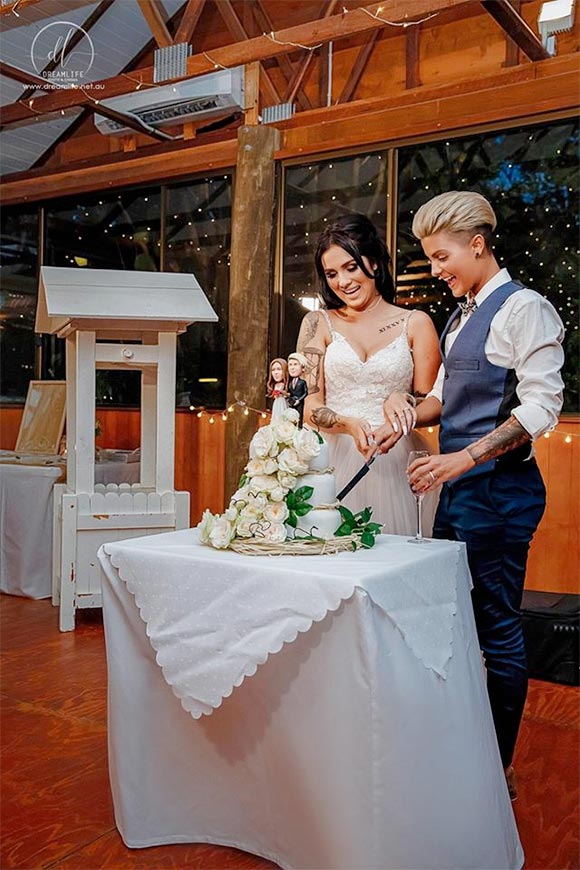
197, 240
316, 194
96, 231
530, 175
18, 288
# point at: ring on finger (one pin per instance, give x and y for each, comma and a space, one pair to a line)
432, 476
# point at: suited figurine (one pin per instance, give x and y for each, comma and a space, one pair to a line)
297, 387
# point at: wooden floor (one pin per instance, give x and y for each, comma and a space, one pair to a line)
56, 807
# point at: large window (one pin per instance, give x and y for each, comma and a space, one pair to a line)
530, 176
197, 239
314, 195
18, 282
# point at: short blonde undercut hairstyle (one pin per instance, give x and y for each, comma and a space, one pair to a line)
457, 211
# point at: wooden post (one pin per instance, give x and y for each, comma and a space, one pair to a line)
251, 109
251, 281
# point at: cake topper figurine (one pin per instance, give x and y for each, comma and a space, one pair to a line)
277, 386
297, 386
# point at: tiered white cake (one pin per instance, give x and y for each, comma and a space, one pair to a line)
324, 518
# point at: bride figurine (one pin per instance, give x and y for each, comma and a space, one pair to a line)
361, 347
277, 386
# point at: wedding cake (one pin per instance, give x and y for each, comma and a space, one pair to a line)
286, 498
323, 519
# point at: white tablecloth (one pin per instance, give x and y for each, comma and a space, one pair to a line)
26, 518
26, 529
362, 740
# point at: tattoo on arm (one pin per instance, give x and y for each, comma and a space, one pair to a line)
325, 418
308, 330
508, 436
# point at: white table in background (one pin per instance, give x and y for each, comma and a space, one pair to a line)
323, 711
26, 518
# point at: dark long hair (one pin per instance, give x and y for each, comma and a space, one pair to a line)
357, 235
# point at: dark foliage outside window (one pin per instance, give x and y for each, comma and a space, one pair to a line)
18, 284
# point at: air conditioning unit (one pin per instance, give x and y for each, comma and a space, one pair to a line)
211, 96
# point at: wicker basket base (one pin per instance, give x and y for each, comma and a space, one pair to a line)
302, 547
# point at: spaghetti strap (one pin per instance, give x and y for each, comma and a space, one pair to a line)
326, 316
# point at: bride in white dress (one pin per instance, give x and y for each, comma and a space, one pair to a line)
361, 348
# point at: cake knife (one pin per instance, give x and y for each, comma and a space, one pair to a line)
358, 476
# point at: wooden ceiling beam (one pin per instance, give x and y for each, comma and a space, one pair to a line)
297, 79
510, 20
310, 34
188, 23
264, 22
21, 75
412, 73
15, 7
359, 66
238, 31
153, 15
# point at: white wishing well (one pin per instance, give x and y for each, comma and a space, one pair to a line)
114, 320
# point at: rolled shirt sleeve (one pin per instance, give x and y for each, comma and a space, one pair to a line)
530, 341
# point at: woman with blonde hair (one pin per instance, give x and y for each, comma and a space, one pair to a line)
498, 390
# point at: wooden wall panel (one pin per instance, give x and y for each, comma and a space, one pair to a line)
200, 470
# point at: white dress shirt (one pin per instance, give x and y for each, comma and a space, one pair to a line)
526, 335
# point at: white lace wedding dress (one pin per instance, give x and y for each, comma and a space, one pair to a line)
358, 389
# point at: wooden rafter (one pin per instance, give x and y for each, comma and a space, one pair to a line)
510, 20
16, 6
512, 51
153, 13
300, 74
359, 66
311, 33
188, 23
412, 75
264, 22
238, 31
21, 75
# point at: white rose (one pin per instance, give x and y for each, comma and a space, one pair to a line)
258, 501
278, 493
284, 431
231, 514
263, 444
251, 512
275, 533
291, 414
263, 483
205, 526
245, 527
286, 480
255, 466
306, 444
288, 460
277, 512
240, 497
221, 534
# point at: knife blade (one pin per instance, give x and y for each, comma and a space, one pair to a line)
358, 476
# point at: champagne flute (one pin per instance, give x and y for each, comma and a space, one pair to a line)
418, 539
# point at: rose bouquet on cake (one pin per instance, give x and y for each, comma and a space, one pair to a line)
287, 466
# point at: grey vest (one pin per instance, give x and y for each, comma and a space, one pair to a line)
477, 395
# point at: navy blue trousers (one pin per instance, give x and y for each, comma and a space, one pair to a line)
496, 515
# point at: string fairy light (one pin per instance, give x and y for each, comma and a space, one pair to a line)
377, 16
216, 63
272, 36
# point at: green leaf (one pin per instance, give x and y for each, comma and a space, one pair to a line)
303, 493
367, 540
364, 516
292, 521
354, 545
290, 500
243, 480
374, 528
343, 530
347, 515
302, 509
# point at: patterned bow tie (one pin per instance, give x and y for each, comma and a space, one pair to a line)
468, 305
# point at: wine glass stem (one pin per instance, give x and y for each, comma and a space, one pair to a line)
419, 535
